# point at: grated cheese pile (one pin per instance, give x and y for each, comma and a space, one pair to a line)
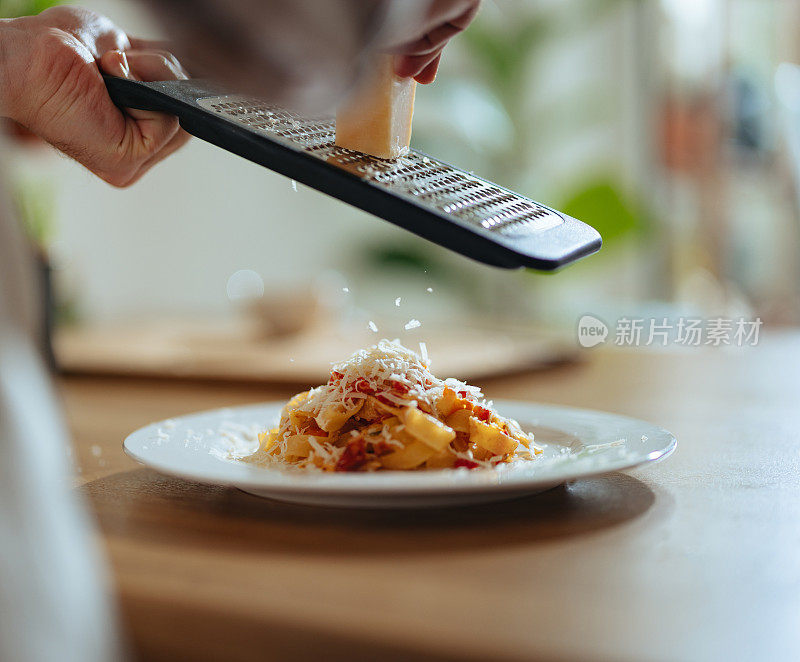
383, 408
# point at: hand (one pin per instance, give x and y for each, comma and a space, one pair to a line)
305, 54
420, 58
50, 82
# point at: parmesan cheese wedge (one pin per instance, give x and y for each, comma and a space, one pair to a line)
376, 119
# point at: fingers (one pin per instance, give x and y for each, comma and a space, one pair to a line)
430, 43
149, 137
96, 32
154, 63
139, 44
157, 65
150, 65
422, 68
105, 37
419, 59
428, 74
175, 143
115, 63
160, 128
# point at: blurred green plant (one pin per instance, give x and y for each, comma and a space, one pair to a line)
484, 114
35, 205
506, 50
506, 53
503, 55
35, 200
412, 255
17, 8
603, 204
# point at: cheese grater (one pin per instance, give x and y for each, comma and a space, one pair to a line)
446, 205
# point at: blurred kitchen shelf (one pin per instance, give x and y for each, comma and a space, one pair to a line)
236, 352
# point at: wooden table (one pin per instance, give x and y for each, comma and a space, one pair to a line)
697, 558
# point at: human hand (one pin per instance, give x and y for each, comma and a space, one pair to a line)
419, 58
307, 54
51, 83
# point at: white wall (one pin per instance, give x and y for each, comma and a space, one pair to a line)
173, 239
170, 243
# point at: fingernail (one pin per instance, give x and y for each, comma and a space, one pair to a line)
123, 64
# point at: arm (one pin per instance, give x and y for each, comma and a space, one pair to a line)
50, 82
308, 53
303, 53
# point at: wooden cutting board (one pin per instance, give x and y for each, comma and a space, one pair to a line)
236, 351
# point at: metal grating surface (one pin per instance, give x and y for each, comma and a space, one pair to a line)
437, 185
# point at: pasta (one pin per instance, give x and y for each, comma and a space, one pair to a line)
383, 409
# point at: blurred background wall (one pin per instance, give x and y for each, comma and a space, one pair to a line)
661, 122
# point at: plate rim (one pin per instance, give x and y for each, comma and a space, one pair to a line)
354, 484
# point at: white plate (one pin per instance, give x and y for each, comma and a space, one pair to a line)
204, 447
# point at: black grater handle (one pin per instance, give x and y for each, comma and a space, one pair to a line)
175, 97
546, 250
134, 94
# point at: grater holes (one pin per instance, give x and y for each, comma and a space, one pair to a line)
521, 218
437, 186
274, 121
443, 188
412, 173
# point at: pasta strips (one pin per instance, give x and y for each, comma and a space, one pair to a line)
382, 409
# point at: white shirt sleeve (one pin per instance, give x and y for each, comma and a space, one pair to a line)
54, 603
53, 599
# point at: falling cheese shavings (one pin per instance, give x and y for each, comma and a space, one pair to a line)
294, 186
345, 289
372, 326
423, 352
397, 302
429, 290
412, 324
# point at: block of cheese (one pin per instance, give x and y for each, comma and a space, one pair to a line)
376, 118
